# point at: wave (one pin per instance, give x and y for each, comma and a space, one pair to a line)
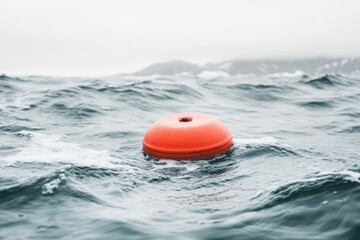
254, 91
12, 84
154, 91
6, 78
323, 205
145, 95
34, 188
321, 82
350, 112
268, 146
18, 128
328, 81
352, 129
316, 104
78, 111
5, 84
314, 185
63, 93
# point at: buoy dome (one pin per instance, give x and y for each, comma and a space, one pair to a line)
187, 136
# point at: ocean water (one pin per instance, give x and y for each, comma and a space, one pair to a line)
72, 166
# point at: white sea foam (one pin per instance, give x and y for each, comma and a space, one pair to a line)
297, 73
213, 74
45, 148
258, 141
141, 77
50, 187
351, 175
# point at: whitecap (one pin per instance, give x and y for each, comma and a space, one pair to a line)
44, 148
50, 187
256, 141
213, 74
297, 73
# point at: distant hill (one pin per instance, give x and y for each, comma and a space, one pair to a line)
259, 67
170, 68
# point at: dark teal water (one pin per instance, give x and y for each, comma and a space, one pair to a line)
72, 167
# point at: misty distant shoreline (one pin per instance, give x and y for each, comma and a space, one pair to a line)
311, 66
257, 67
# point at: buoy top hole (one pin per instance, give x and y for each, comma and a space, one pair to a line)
185, 119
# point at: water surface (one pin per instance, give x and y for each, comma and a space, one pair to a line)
72, 167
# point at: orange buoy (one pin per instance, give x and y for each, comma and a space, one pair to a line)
187, 136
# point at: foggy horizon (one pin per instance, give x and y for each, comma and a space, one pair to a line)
99, 38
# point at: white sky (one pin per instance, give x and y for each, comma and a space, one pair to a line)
104, 37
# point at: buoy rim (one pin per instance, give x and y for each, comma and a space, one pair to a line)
225, 142
189, 155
